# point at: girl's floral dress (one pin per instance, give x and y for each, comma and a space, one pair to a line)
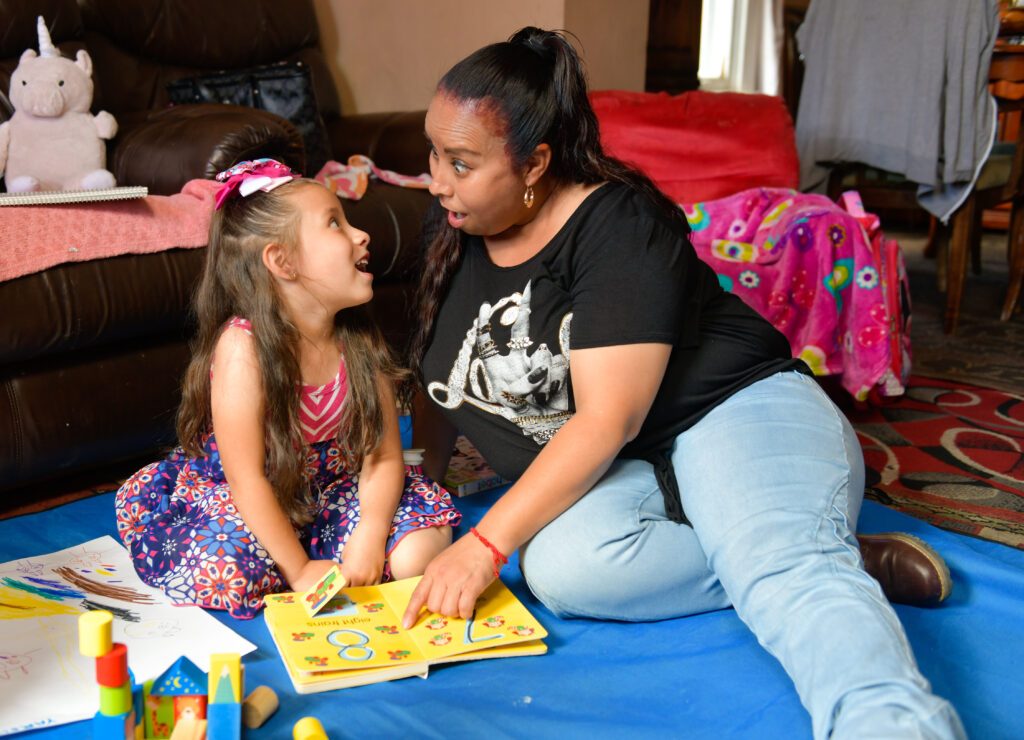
179, 522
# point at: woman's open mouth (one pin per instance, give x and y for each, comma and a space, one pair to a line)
455, 219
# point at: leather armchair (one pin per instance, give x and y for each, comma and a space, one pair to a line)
92, 353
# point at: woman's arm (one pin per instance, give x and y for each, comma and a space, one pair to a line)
238, 427
614, 388
381, 482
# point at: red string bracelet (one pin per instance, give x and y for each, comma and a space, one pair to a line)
498, 558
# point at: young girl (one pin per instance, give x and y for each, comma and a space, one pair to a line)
290, 454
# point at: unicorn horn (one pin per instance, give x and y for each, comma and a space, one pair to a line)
46, 48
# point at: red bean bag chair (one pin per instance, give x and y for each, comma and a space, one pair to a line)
700, 146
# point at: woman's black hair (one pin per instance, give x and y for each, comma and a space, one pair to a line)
536, 83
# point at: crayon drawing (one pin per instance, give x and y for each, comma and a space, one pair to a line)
40, 601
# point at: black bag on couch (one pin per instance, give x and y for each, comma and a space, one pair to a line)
284, 89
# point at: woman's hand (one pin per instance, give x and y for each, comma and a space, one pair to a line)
310, 574
453, 581
362, 559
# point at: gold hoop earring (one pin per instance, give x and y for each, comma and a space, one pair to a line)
528, 197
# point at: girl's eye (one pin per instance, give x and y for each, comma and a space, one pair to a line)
460, 167
334, 223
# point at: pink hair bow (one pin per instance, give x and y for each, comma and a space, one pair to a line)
247, 177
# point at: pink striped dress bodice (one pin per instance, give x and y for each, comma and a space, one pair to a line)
320, 406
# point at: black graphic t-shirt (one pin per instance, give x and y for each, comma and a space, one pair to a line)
618, 272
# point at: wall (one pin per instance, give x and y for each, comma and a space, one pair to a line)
613, 37
388, 54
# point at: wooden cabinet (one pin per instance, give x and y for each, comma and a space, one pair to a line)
673, 46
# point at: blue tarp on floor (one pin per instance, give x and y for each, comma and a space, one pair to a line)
698, 677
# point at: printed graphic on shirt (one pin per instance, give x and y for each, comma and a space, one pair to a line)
499, 370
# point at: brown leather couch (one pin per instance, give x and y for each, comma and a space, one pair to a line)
91, 354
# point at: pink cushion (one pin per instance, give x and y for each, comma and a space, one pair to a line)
699, 145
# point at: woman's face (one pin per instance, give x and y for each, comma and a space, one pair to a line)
473, 177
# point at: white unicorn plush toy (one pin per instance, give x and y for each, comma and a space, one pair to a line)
53, 142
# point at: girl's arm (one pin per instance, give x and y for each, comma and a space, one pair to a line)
238, 427
613, 388
381, 482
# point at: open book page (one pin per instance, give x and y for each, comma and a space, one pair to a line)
306, 682
500, 627
355, 630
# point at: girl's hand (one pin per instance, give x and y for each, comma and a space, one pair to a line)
453, 581
310, 574
362, 559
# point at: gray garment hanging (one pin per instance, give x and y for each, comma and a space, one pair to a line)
901, 85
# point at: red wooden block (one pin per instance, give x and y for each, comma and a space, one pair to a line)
112, 668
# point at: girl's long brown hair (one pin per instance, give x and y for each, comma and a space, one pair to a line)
235, 282
537, 83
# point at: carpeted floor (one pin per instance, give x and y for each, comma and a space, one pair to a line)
950, 451
950, 454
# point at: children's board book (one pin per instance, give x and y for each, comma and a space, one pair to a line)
358, 638
468, 472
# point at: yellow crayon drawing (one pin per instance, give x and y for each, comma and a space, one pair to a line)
18, 604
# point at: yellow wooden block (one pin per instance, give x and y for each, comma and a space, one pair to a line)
94, 633
309, 728
225, 667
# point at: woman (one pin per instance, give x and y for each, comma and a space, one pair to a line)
677, 460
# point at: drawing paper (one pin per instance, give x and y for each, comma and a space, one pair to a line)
44, 680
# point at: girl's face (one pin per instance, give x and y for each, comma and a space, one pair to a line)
473, 177
332, 258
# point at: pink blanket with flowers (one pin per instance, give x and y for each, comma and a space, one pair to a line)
822, 273
34, 238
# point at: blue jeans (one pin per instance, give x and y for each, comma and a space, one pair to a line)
772, 482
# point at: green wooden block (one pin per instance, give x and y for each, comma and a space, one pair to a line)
116, 700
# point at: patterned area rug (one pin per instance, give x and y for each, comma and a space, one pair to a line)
950, 454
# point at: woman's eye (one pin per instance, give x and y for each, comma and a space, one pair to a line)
459, 167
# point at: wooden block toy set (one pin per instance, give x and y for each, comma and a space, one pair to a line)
182, 703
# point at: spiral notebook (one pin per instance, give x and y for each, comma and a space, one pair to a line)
57, 197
